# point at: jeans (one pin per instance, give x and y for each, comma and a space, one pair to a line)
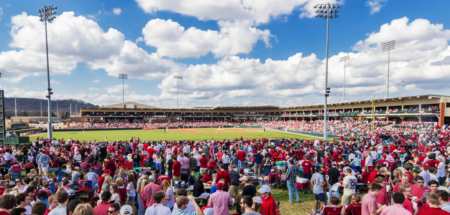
267, 170
158, 166
235, 162
141, 210
441, 180
330, 193
136, 164
150, 161
292, 187
241, 164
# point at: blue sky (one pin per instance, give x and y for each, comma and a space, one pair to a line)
228, 52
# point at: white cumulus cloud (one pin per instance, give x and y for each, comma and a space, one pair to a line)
116, 88
173, 40
375, 5
117, 11
93, 88
95, 81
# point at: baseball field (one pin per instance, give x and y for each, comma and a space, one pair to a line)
174, 134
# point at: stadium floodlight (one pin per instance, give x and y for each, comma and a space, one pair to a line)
123, 76
387, 47
327, 13
403, 88
178, 77
344, 59
46, 14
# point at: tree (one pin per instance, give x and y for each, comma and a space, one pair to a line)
25, 113
53, 114
63, 115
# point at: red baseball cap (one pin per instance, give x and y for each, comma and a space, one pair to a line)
107, 171
424, 166
219, 186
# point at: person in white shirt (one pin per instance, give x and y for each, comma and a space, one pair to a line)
158, 208
369, 161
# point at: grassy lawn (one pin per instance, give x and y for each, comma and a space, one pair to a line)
159, 134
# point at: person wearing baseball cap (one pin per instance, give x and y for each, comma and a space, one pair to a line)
126, 210
101, 179
268, 203
249, 189
318, 182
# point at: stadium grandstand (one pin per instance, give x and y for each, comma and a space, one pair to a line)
420, 108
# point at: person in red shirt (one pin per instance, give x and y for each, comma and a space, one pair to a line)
383, 197
433, 202
223, 174
407, 192
241, 157
405, 180
374, 174
101, 179
417, 190
307, 169
102, 209
176, 170
7, 203
203, 163
355, 203
268, 206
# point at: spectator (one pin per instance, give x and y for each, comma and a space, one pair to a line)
406, 190
223, 174
249, 189
102, 209
433, 202
182, 203
333, 174
23, 201
63, 199
241, 157
169, 197
355, 199
349, 184
307, 169
246, 206
39, 208
53, 201
190, 208
114, 209
369, 202
158, 208
443, 200
83, 209
220, 200
405, 180
15, 211
268, 203
397, 208
139, 189
318, 183
149, 190
122, 174
42, 196
417, 190
176, 170
234, 182
291, 180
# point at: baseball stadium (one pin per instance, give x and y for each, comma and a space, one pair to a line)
117, 107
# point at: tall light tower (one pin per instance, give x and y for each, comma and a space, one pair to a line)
178, 77
47, 15
326, 11
344, 59
403, 88
387, 47
123, 76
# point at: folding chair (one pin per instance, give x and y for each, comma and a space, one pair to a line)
331, 210
356, 210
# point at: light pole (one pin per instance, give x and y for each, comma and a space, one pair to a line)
326, 11
345, 58
47, 15
123, 76
403, 88
387, 47
178, 77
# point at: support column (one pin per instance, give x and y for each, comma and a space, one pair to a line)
441, 113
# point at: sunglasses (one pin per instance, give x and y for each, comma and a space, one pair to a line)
111, 212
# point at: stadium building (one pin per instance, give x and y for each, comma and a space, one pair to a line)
426, 108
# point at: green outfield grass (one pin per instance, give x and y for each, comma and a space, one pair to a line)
159, 134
